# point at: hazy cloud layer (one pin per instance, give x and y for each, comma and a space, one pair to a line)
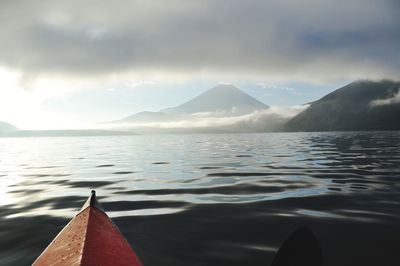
307, 40
270, 119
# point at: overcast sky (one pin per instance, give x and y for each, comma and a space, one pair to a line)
66, 62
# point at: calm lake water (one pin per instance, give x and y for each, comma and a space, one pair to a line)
208, 199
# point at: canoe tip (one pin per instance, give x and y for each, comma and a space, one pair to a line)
92, 202
92, 198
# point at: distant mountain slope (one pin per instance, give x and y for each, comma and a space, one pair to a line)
6, 127
226, 99
145, 117
361, 105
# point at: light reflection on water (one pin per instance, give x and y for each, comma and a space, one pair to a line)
249, 190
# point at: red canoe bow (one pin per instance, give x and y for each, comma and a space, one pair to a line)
90, 238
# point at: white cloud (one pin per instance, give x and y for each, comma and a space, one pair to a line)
388, 101
275, 86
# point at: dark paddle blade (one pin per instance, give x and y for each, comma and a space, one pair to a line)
300, 249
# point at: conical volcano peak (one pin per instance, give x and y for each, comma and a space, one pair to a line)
225, 86
223, 97
227, 90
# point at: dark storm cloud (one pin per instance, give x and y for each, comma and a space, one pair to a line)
303, 39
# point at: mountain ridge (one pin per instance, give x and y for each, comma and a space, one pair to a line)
7, 127
352, 107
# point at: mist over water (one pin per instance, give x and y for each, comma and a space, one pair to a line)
213, 199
